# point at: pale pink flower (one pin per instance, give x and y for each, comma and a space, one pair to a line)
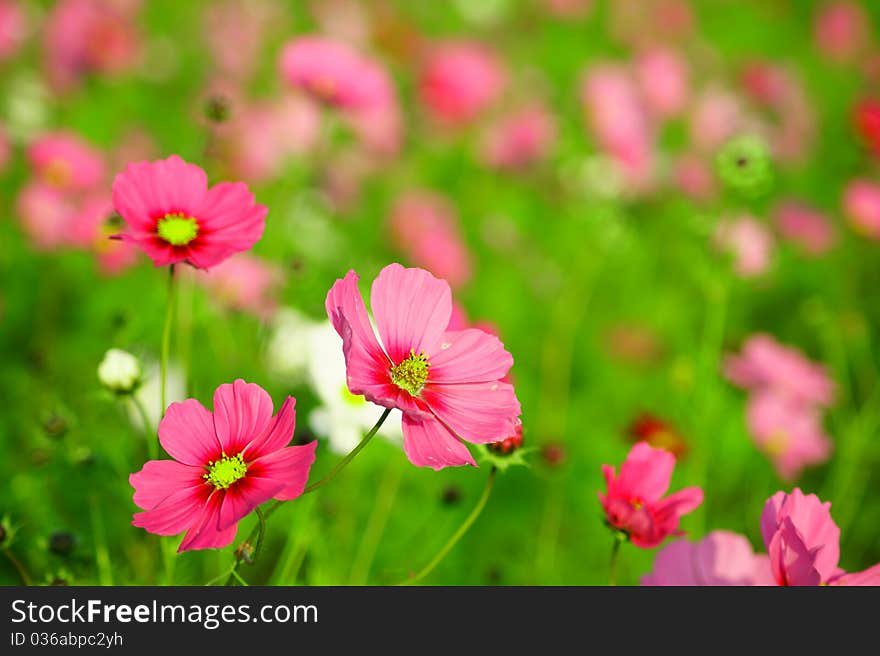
245, 283
226, 463
861, 204
721, 558
236, 31
334, 73
693, 175
447, 383
519, 139
67, 162
173, 216
634, 501
766, 365
92, 229
716, 116
346, 20
805, 226
663, 78
89, 36
460, 80
5, 149
46, 215
750, 243
425, 227
842, 30
788, 431
13, 28
619, 122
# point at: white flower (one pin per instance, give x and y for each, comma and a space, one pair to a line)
287, 351
149, 394
119, 371
344, 417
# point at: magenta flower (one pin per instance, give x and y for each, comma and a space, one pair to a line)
245, 283
226, 463
750, 243
721, 558
663, 77
65, 161
519, 139
861, 204
13, 28
447, 383
173, 216
807, 227
634, 502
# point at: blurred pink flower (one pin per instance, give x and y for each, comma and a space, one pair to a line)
788, 431
65, 161
842, 30
716, 116
346, 20
13, 28
634, 501
636, 22
861, 204
236, 30
721, 558
245, 283
519, 139
805, 226
663, 78
693, 175
424, 226
226, 463
766, 365
459, 80
5, 149
750, 243
46, 216
92, 229
334, 73
568, 8
617, 118
89, 36
173, 216
447, 383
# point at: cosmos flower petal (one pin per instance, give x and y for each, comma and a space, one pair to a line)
187, 433
204, 534
289, 466
159, 479
477, 412
428, 443
241, 412
469, 356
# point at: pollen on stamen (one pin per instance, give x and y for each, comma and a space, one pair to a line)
177, 229
412, 373
224, 472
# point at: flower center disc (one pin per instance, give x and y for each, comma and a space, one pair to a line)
226, 471
177, 229
411, 374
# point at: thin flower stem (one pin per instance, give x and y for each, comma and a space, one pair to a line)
615, 552
166, 338
262, 534
263, 516
468, 522
16, 563
149, 433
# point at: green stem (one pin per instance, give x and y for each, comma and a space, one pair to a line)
615, 552
468, 522
102, 554
263, 516
166, 338
149, 433
366, 551
16, 563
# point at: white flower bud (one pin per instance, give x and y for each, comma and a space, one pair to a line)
120, 371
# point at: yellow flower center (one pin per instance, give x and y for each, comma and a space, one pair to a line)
411, 374
226, 471
177, 229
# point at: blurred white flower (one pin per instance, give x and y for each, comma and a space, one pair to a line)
149, 394
344, 417
287, 351
120, 371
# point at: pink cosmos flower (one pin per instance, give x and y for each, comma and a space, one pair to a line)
447, 383
750, 242
425, 227
246, 283
520, 139
767, 365
634, 500
662, 75
788, 431
235, 31
618, 119
86, 36
334, 73
226, 463
842, 30
5, 149
694, 177
716, 116
805, 226
861, 203
173, 216
92, 229
46, 216
460, 80
13, 27
721, 558
65, 161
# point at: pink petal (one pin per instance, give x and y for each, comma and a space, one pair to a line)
187, 433
412, 309
174, 515
668, 511
242, 412
646, 472
477, 412
429, 444
469, 356
159, 479
279, 433
230, 221
289, 466
241, 498
870, 576
204, 533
